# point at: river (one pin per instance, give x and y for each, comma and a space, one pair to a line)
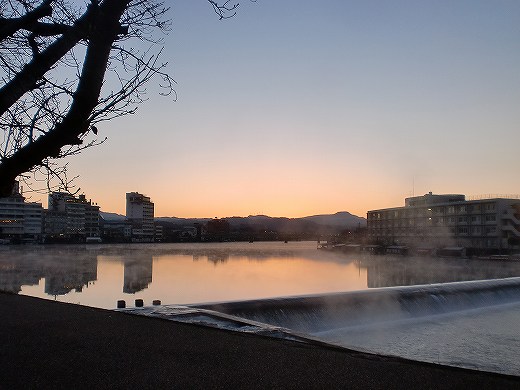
481, 334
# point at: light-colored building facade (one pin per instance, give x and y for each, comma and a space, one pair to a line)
70, 217
439, 221
140, 213
20, 220
33, 220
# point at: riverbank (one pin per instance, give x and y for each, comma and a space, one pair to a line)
51, 344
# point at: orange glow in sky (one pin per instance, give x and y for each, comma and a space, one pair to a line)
300, 108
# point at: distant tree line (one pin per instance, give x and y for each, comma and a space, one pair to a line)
216, 230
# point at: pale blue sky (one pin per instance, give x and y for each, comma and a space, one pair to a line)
303, 107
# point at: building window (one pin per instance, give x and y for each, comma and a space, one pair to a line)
491, 230
463, 230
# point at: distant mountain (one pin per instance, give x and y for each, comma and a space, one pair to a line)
111, 216
342, 219
182, 221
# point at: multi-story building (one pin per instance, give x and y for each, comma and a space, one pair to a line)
33, 220
69, 217
158, 233
140, 213
448, 220
92, 228
20, 220
116, 230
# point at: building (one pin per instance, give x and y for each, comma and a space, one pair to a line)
71, 218
92, 218
33, 221
158, 233
116, 230
439, 221
140, 214
20, 220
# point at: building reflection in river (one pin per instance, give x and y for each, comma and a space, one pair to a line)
71, 270
195, 273
389, 271
138, 271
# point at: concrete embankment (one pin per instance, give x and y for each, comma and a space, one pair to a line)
49, 344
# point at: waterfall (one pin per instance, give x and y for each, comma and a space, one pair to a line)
319, 313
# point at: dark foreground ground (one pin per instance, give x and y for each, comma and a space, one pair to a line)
46, 344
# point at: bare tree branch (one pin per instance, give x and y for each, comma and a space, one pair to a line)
65, 68
224, 10
8, 27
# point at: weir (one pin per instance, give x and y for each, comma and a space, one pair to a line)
321, 313
465, 324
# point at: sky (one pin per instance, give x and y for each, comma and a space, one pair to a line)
295, 108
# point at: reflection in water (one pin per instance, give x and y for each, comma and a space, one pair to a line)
198, 273
201, 273
63, 270
137, 273
214, 258
388, 271
61, 277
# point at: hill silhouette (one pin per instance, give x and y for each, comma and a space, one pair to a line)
265, 226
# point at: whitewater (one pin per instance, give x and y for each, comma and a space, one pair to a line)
463, 324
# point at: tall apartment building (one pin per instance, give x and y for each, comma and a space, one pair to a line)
448, 220
92, 228
140, 213
69, 217
20, 220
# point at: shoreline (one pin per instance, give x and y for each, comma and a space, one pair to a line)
60, 345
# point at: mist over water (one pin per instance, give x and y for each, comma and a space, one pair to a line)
175, 273
471, 324
424, 308
197, 273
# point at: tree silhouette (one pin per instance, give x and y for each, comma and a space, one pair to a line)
65, 68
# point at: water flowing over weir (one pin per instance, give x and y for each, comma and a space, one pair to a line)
466, 324
320, 313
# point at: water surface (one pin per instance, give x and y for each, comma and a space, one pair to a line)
178, 274
100, 275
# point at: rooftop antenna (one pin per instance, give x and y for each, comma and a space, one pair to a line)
413, 186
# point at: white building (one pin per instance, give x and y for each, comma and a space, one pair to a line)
448, 220
140, 213
33, 220
20, 220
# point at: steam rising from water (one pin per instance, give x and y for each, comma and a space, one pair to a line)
468, 324
320, 313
